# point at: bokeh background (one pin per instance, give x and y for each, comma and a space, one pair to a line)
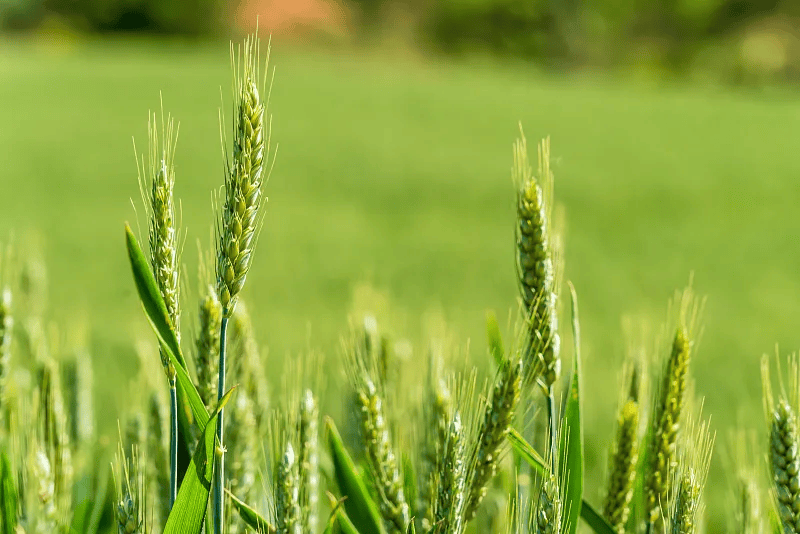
675, 127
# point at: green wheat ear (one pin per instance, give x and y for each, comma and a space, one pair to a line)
6, 329
244, 177
206, 352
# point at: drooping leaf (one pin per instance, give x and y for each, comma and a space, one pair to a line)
495, 339
571, 443
526, 451
250, 516
359, 505
189, 511
8, 496
156, 312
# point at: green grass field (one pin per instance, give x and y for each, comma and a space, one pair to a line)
397, 176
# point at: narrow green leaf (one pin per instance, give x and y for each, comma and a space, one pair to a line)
495, 339
189, 512
338, 522
8, 496
595, 520
343, 523
571, 443
526, 451
409, 479
535, 460
250, 516
359, 505
156, 312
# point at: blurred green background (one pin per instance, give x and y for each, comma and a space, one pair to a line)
675, 128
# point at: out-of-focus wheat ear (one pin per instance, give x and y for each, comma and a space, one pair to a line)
133, 439
157, 460
52, 417
452, 481
537, 274
79, 383
665, 424
437, 408
309, 461
129, 481
6, 331
287, 498
622, 467
206, 354
690, 477
783, 455
742, 462
249, 367
497, 418
549, 507
242, 447
382, 459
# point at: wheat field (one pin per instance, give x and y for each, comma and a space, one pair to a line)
392, 194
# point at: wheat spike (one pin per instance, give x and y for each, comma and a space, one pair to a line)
785, 465
309, 461
497, 419
55, 438
250, 369
452, 481
158, 463
547, 519
622, 471
665, 424
287, 500
382, 459
243, 180
129, 486
538, 277
206, 355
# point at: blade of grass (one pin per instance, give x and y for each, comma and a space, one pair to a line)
189, 512
250, 516
359, 504
571, 446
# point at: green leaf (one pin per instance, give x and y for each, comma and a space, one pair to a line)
8, 496
189, 511
595, 520
571, 443
92, 496
250, 516
535, 460
156, 312
495, 339
409, 479
526, 451
359, 505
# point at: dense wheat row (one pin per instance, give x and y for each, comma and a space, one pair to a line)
451, 452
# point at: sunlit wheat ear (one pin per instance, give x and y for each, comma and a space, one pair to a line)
497, 418
452, 480
625, 452
538, 267
784, 442
665, 422
52, 417
206, 354
6, 330
157, 460
690, 476
129, 510
308, 461
157, 183
244, 177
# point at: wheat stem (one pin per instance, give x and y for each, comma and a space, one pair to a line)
173, 443
219, 472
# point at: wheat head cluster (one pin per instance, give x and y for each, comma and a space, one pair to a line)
213, 444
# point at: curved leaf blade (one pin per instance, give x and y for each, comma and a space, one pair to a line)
250, 516
156, 312
359, 505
